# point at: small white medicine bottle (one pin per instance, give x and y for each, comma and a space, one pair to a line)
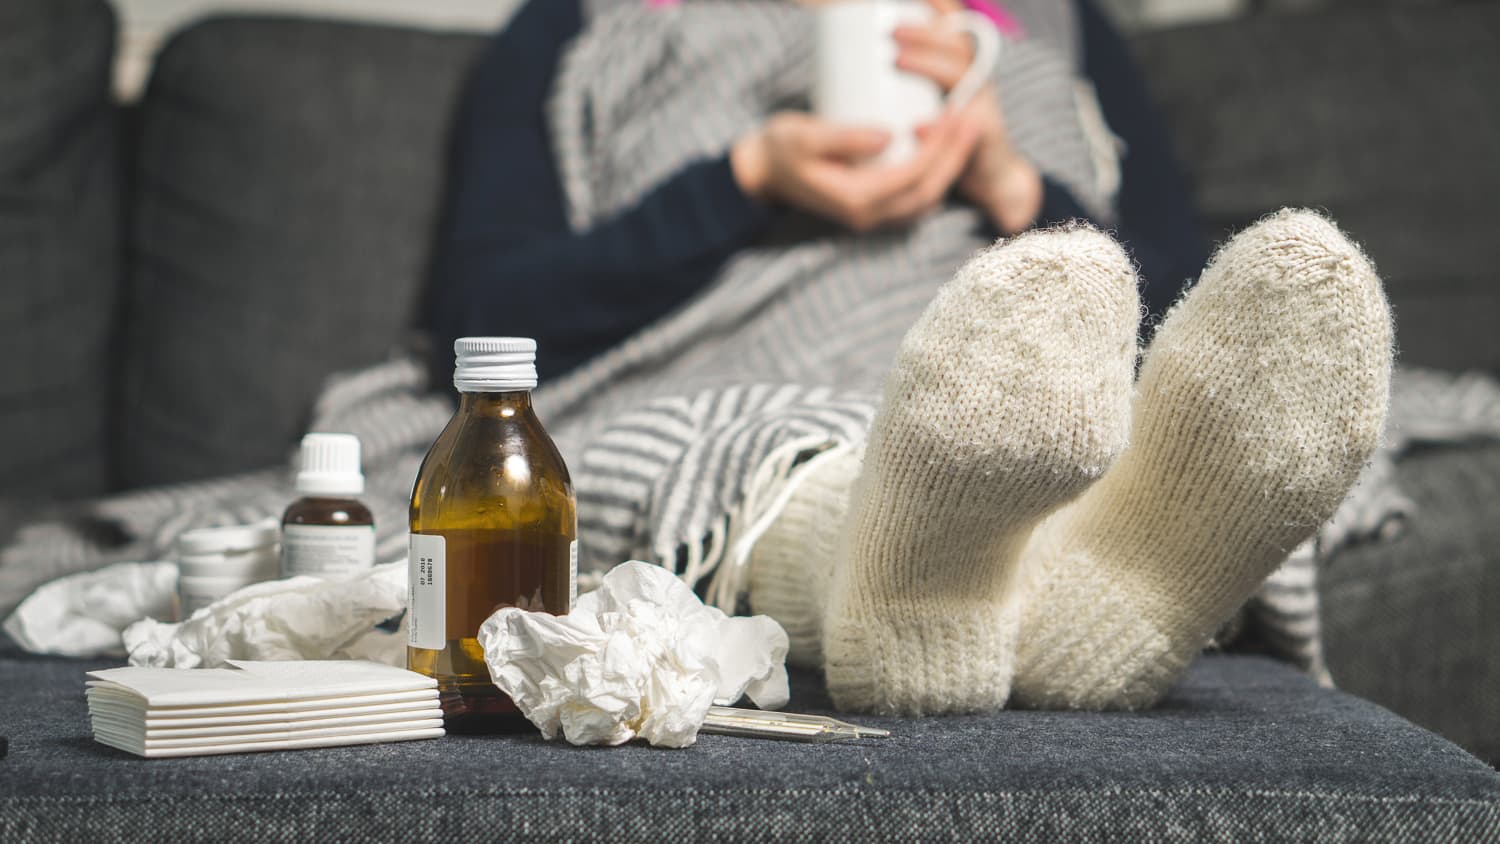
328, 532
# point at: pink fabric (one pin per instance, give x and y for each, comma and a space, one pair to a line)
1003, 20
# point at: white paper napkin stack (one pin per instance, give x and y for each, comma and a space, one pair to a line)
253, 706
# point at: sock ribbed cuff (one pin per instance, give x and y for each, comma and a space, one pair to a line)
922, 660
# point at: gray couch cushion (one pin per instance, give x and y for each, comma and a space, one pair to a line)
1411, 624
1387, 118
59, 246
1245, 749
287, 180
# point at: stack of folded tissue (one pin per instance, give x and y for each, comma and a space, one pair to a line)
255, 706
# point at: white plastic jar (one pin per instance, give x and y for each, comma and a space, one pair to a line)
213, 562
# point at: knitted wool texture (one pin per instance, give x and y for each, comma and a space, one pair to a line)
1263, 394
1007, 398
792, 563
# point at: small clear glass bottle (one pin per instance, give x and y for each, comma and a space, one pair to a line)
493, 524
328, 532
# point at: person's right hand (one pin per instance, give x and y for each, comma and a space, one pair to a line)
803, 161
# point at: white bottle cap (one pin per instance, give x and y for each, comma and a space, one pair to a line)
494, 364
330, 465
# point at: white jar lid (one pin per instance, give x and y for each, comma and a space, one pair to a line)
219, 540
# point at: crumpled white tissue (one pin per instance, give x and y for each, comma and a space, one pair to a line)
639, 656
83, 614
296, 618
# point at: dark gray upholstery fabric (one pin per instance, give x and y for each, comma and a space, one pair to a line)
1244, 750
1387, 118
1413, 624
59, 246
287, 179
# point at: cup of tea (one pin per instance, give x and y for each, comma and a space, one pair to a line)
856, 81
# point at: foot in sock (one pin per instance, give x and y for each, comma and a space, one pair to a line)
1262, 395
1008, 397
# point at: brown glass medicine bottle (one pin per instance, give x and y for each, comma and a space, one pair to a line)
327, 532
493, 524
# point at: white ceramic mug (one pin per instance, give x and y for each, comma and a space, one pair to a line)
856, 81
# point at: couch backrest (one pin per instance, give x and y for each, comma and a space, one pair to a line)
286, 176
1387, 118
285, 191
59, 246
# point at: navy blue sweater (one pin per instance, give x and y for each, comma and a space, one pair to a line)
507, 262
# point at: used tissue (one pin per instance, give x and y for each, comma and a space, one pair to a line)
298, 618
83, 614
640, 656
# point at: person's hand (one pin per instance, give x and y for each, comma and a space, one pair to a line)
996, 177
801, 160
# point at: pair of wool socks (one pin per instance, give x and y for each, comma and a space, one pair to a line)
1030, 524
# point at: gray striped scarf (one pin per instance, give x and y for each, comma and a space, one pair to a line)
786, 351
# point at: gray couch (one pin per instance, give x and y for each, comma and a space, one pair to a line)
1245, 749
181, 276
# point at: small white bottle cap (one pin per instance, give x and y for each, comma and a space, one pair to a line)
494, 364
330, 465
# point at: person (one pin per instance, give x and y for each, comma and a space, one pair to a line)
509, 263
1027, 521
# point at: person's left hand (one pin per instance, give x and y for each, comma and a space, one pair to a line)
996, 178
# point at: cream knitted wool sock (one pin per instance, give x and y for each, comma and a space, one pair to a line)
1261, 396
1008, 397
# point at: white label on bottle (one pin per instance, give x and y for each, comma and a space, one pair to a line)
572, 574
331, 551
426, 592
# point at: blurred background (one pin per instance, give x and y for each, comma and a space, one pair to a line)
208, 207
1381, 112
